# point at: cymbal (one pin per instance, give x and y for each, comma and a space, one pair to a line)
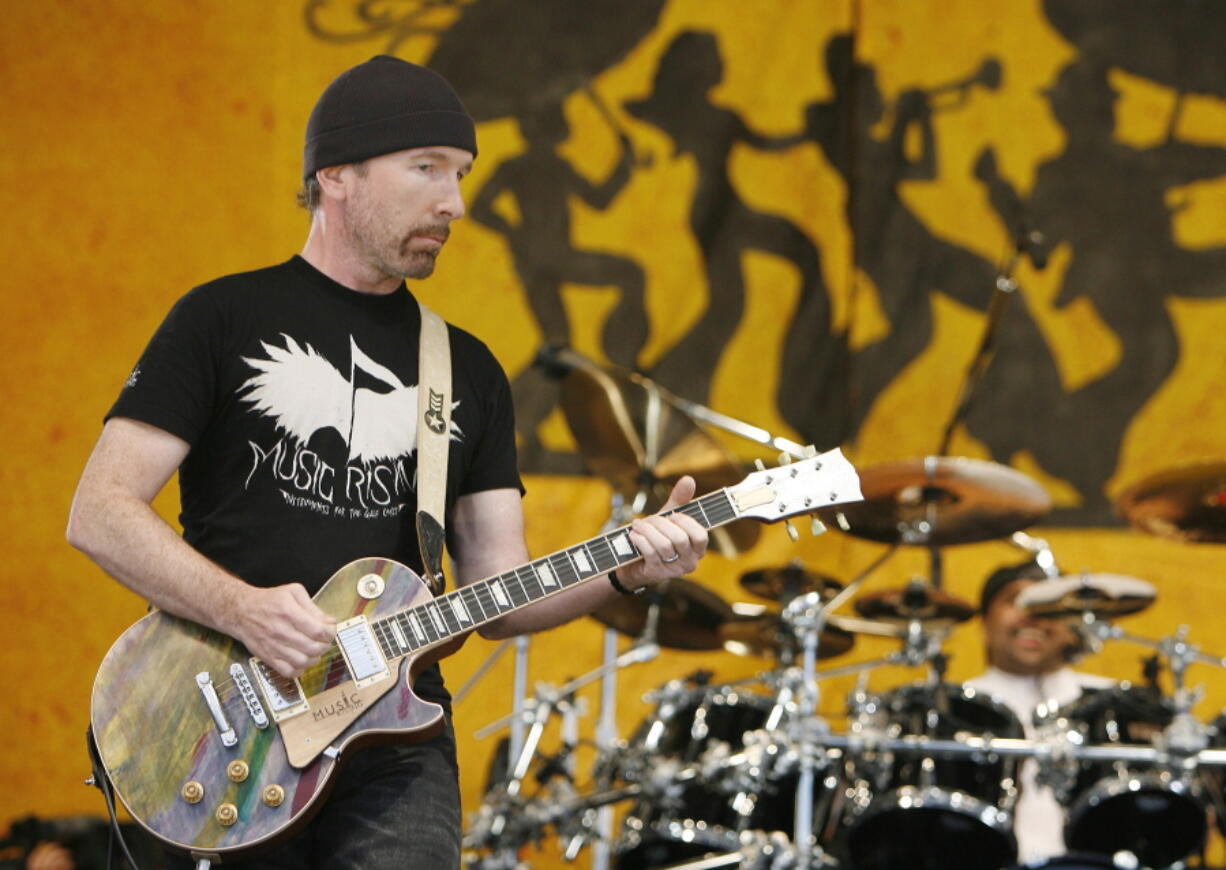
766, 635
1188, 504
635, 434
1104, 595
940, 501
915, 601
784, 584
689, 618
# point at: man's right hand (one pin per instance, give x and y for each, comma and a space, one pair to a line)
282, 627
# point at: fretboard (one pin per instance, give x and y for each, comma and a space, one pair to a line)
464, 609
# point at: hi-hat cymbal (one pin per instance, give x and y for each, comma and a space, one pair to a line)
1188, 504
690, 615
1104, 595
785, 583
939, 501
635, 434
915, 601
767, 635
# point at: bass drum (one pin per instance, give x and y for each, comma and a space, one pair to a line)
700, 816
1157, 814
912, 811
1086, 861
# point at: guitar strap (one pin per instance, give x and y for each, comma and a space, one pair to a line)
433, 441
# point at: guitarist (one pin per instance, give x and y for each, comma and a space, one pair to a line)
286, 399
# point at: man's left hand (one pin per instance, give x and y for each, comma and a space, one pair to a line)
670, 545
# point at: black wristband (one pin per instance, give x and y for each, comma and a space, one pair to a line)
617, 584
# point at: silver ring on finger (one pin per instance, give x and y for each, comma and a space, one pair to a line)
674, 558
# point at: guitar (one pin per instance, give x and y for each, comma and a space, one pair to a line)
213, 752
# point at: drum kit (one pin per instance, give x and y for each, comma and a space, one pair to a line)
749, 774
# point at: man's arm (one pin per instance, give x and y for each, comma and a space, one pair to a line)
112, 522
488, 539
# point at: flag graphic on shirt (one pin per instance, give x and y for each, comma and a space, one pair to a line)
371, 408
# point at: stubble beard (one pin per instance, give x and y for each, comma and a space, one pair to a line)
377, 244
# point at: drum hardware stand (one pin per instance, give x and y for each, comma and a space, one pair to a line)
1185, 736
536, 713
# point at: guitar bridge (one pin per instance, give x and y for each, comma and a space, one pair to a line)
254, 708
284, 696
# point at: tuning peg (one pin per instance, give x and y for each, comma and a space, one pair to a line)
792, 533
809, 451
816, 526
759, 464
785, 458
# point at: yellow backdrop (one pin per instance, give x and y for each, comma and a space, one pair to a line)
150, 147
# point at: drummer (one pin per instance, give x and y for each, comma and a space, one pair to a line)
1028, 664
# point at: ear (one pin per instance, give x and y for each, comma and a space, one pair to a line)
333, 181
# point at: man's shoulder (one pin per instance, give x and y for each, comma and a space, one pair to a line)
239, 283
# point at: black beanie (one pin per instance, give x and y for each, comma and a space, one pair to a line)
384, 105
1002, 577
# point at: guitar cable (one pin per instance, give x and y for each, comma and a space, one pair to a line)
103, 783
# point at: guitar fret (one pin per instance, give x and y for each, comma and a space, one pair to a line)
566, 572
522, 574
419, 630
459, 609
545, 574
402, 642
484, 597
384, 640
583, 559
602, 556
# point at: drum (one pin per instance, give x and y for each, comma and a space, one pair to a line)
912, 811
705, 813
1214, 777
1085, 861
1155, 813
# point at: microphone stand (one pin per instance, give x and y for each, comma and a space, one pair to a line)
1002, 292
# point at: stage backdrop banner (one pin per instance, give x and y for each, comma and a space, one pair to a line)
795, 217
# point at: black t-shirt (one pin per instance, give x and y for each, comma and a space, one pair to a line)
298, 397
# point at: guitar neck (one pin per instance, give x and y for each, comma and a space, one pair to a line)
461, 610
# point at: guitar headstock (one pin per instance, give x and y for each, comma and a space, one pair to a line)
799, 487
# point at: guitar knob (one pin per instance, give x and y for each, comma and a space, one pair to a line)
193, 792
792, 533
273, 796
226, 814
237, 770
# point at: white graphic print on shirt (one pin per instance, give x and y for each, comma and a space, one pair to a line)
372, 410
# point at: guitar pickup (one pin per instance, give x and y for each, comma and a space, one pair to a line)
361, 651
284, 696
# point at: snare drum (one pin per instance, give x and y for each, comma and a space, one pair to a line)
909, 810
1155, 813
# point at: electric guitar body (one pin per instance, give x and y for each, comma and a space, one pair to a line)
214, 784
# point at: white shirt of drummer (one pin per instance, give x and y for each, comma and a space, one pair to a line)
1038, 819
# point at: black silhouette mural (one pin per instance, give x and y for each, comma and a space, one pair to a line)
1108, 202
905, 259
725, 228
542, 183
1102, 201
